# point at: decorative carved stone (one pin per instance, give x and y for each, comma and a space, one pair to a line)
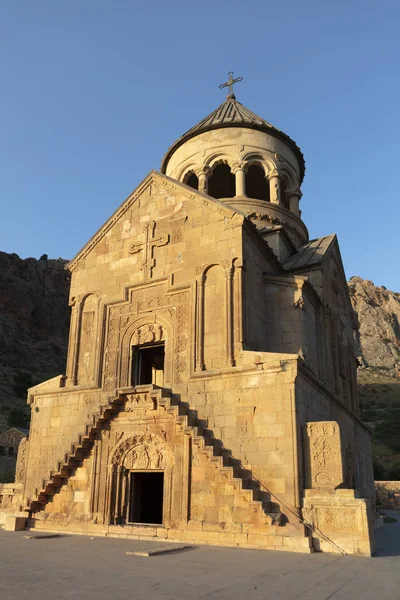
147, 247
177, 231
21, 461
147, 334
300, 303
135, 401
323, 453
143, 451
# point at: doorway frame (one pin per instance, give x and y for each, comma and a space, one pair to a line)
135, 369
131, 473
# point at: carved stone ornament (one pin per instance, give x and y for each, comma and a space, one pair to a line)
238, 166
300, 303
324, 466
200, 269
21, 461
147, 248
142, 452
148, 334
135, 401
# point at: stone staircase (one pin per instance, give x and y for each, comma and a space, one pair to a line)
186, 419
78, 451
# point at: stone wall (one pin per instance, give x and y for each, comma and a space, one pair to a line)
316, 404
57, 420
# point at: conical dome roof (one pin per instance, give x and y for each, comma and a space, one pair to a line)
232, 113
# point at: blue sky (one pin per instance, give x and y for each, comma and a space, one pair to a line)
93, 92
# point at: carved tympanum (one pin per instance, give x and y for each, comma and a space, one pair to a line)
147, 334
142, 452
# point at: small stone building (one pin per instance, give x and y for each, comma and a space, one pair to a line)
210, 394
11, 439
388, 494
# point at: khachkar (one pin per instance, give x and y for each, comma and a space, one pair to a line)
210, 391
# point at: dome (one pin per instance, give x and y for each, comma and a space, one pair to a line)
232, 113
237, 157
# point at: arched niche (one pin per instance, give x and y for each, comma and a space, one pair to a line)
221, 183
87, 342
214, 336
191, 180
257, 184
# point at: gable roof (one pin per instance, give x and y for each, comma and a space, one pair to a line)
166, 182
22, 430
232, 113
309, 254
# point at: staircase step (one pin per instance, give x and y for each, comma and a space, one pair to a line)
236, 482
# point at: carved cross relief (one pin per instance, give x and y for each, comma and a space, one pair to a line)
147, 247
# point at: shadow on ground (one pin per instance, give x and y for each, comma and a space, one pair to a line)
388, 537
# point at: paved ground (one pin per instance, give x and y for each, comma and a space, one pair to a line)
75, 567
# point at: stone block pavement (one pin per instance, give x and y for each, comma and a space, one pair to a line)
69, 567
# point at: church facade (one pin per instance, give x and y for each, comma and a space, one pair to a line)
210, 394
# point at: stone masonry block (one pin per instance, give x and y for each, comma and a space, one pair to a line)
14, 523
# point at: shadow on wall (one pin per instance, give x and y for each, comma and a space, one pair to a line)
7, 468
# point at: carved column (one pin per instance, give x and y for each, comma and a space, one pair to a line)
117, 508
111, 478
239, 298
128, 496
200, 323
76, 324
72, 341
229, 313
93, 477
203, 176
239, 170
123, 494
274, 187
294, 197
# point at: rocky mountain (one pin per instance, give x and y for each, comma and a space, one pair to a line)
34, 324
378, 313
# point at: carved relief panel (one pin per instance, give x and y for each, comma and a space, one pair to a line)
323, 455
85, 363
142, 452
20, 470
214, 339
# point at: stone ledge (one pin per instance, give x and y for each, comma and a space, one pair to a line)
260, 541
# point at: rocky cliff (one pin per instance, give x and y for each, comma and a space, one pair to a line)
34, 323
378, 313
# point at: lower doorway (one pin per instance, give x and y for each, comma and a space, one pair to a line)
146, 498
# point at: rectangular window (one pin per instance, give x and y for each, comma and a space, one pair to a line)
148, 364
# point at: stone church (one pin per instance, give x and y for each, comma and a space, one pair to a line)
210, 393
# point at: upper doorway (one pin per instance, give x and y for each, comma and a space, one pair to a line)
148, 364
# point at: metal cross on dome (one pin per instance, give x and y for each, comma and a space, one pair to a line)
230, 82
